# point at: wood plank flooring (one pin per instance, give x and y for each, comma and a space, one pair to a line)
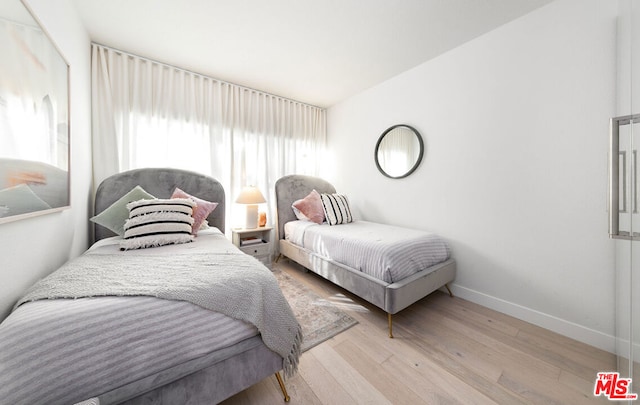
445, 351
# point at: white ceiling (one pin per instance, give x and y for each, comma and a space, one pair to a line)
315, 51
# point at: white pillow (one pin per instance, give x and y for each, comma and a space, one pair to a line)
336, 209
158, 222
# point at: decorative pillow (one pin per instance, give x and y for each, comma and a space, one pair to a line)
201, 211
309, 208
113, 217
158, 222
20, 199
336, 209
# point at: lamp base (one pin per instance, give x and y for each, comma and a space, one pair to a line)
251, 220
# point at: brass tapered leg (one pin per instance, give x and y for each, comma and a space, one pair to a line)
282, 387
279, 256
450, 293
390, 326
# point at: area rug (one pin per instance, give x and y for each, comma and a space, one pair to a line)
319, 318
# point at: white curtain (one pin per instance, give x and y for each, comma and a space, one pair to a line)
148, 114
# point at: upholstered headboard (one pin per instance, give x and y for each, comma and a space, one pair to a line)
292, 188
160, 183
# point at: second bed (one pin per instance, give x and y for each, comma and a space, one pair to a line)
388, 266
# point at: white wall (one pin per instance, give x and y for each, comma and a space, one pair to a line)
515, 125
32, 248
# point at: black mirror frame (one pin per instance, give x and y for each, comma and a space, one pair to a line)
418, 161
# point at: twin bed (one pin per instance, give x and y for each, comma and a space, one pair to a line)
194, 322
388, 266
138, 349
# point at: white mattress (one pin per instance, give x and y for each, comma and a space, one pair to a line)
388, 253
208, 240
74, 347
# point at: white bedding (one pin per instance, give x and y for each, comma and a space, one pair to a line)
388, 253
208, 240
82, 337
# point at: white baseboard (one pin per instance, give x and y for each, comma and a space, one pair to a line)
555, 324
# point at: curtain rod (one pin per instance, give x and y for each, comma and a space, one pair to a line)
203, 75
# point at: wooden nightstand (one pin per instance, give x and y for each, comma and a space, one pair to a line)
255, 242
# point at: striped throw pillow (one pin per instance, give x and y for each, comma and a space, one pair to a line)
336, 209
158, 222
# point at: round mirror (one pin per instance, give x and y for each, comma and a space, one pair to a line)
399, 151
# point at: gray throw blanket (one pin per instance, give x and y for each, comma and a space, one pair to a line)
236, 285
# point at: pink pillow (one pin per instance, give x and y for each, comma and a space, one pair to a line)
200, 212
310, 207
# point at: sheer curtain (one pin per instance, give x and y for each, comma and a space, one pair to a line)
148, 114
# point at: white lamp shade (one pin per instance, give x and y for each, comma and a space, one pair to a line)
250, 195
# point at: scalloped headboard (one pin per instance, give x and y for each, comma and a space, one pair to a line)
294, 187
160, 183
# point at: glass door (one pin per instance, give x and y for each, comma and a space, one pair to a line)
624, 192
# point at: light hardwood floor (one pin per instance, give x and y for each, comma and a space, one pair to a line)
445, 350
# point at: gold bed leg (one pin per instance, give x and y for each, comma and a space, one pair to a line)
279, 256
390, 326
282, 387
450, 293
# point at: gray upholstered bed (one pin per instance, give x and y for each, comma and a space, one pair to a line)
160, 183
207, 378
391, 297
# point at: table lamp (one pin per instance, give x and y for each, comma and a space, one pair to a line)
251, 197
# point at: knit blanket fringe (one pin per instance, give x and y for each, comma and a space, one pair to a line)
290, 363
